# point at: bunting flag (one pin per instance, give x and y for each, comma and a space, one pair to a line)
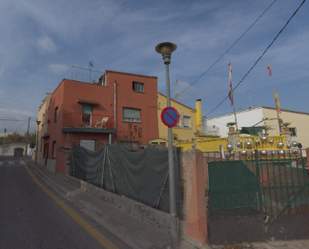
268, 67
176, 81
277, 101
230, 85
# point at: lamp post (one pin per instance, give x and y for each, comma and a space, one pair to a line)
37, 141
5, 134
166, 49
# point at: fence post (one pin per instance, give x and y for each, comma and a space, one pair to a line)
194, 195
307, 155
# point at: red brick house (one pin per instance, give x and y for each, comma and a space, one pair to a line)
120, 108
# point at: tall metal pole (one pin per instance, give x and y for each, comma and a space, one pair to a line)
166, 48
37, 141
5, 134
171, 170
272, 87
27, 138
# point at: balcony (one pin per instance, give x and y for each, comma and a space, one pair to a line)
81, 122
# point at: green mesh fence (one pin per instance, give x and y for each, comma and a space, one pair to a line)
233, 185
277, 185
141, 176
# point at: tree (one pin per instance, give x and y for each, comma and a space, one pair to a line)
15, 137
18, 137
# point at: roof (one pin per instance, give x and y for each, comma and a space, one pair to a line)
118, 72
178, 102
260, 107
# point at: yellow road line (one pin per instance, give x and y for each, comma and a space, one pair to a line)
90, 229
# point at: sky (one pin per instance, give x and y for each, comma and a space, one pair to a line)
43, 42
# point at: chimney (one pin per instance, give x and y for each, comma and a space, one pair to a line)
198, 115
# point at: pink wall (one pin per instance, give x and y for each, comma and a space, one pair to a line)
66, 96
146, 101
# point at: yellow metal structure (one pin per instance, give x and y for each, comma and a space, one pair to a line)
256, 142
198, 115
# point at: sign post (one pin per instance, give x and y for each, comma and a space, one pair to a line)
166, 49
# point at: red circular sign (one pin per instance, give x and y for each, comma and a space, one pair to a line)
170, 116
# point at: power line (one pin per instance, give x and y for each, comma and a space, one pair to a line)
256, 62
228, 49
19, 126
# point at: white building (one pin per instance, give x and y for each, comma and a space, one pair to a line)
261, 116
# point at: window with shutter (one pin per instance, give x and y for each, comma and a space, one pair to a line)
186, 121
131, 115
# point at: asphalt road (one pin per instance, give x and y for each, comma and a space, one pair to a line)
30, 218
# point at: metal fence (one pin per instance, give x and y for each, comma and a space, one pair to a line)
275, 184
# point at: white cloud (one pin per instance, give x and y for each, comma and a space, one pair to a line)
58, 68
46, 44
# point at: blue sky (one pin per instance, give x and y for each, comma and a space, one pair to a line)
41, 41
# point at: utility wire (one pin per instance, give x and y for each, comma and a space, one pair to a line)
16, 128
228, 49
256, 62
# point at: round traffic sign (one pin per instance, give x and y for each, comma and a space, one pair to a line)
170, 116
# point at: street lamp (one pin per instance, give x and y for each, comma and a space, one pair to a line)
166, 49
37, 140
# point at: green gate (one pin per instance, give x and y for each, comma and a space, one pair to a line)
278, 186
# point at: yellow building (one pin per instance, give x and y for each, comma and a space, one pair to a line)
186, 128
42, 129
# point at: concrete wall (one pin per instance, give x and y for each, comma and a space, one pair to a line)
194, 171
8, 149
141, 211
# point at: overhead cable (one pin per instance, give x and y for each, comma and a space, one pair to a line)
256, 62
228, 49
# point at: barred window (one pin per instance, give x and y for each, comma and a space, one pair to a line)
138, 87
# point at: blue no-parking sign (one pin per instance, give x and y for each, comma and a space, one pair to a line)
170, 116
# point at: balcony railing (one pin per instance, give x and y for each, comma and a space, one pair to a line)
88, 121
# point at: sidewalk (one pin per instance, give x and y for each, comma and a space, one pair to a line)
133, 231
291, 244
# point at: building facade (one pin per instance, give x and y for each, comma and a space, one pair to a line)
186, 128
42, 128
265, 116
120, 108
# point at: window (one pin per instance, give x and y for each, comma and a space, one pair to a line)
131, 115
138, 87
46, 148
86, 114
54, 149
186, 121
41, 147
88, 144
56, 114
293, 130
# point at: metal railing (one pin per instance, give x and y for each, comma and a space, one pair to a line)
88, 121
248, 143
